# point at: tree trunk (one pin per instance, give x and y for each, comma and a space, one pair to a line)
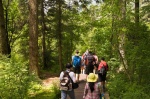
137, 12
33, 37
122, 36
59, 34
137, 32
7, 22
3, 34
43, 36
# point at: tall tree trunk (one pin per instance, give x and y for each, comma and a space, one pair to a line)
137, 12
7, 22
59, 33
3, 34
43, 36
122, 36
33, 36
137, 32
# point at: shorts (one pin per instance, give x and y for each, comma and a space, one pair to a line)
89, 69
77, 70
102, 77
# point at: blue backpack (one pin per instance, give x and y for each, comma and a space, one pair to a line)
76, 61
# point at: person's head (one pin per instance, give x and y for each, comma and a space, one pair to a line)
90, 52
92, 77
103, 58
77, 51
68, 65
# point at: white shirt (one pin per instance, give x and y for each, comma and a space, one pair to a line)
71, 74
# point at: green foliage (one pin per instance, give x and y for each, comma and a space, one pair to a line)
14, 79
114, 65
16, 83
120, 88
49, 92
135, 91
94, 27
117, 87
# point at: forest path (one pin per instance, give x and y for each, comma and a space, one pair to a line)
78, 92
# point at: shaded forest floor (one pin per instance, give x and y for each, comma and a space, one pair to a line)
48, 78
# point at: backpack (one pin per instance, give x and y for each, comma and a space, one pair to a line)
103, 70
89, 59
65, 83
76, 61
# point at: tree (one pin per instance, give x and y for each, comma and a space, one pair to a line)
43, 35
59, 31
3, 34
122, 36
33, 36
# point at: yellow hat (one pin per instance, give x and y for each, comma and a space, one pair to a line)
92, 77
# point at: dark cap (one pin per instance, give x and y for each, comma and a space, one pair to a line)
102, 58
68, 65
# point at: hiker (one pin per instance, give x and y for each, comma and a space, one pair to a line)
77, 62
92, 87
68, 91
88, 60
95, 63
102, 72
83, 67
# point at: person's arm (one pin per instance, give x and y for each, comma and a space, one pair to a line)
73, 77
85, 60
72, 59
61, 75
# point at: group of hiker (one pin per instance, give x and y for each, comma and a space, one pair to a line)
94, 70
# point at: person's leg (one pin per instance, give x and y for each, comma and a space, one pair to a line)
78, 73
103, 82
63, 94
100, 78
75, 71
77, 77
83, 70
71, 94
104, 79
86, 71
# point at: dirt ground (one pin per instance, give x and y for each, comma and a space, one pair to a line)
78, 92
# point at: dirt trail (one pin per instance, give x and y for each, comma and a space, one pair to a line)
78, 92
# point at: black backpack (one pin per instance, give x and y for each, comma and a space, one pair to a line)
65, 83
89, 59
102, 70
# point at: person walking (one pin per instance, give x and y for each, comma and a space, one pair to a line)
92, 87
89, 63
102, 68
77, 62
83, 67
70, 90
95, 63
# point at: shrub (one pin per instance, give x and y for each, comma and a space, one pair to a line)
49, 92
14, 79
